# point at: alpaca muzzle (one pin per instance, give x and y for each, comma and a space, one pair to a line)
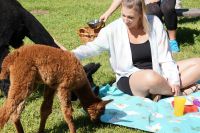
96, 111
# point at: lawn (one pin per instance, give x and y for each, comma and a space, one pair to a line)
62, 19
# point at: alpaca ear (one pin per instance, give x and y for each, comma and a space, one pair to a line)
107, 101
103, 103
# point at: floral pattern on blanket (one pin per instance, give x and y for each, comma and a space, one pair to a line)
144, 114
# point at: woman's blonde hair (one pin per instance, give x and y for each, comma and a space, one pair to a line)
138, 6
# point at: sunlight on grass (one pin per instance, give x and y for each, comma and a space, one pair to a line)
63, 19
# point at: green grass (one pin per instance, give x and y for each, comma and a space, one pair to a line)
65, 17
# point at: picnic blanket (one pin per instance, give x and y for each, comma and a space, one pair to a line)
147, 115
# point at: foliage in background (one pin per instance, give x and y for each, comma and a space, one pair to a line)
63, 19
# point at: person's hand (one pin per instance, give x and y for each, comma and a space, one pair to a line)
104, 17
59, 45
175, 89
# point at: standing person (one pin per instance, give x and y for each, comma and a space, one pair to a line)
165, 8
139, 55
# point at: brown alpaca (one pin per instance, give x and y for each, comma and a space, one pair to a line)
60, 71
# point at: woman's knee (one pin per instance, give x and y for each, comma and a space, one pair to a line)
195, 61
144, 81
152, 78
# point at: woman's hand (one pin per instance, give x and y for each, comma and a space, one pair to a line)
59, 45
175, 89
104, 17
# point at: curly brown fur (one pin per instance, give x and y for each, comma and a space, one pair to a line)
7, 62
60, 71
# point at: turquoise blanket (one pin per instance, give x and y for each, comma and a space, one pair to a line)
144, 114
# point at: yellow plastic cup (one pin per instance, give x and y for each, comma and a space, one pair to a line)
179, 103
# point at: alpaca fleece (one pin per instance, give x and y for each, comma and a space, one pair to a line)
60, 71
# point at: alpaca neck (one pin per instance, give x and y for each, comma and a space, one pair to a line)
86, 96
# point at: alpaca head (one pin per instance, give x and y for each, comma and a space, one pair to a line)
96, 110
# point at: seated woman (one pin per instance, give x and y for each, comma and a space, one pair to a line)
139, 54
159, 8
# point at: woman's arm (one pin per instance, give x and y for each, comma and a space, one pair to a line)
94, 47
168, 65
115, 4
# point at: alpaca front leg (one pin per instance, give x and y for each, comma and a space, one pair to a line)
64, 96
46, 107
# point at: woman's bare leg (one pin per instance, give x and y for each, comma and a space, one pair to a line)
145, 82
189, 71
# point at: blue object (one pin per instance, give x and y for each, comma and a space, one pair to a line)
198, 82
174, 46
145, 114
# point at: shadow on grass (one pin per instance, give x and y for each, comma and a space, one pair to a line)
187, 35
82, 124
188, 20
40, 89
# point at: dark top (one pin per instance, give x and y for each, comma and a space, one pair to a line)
141, 55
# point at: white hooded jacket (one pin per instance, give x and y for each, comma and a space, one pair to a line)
114, 39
